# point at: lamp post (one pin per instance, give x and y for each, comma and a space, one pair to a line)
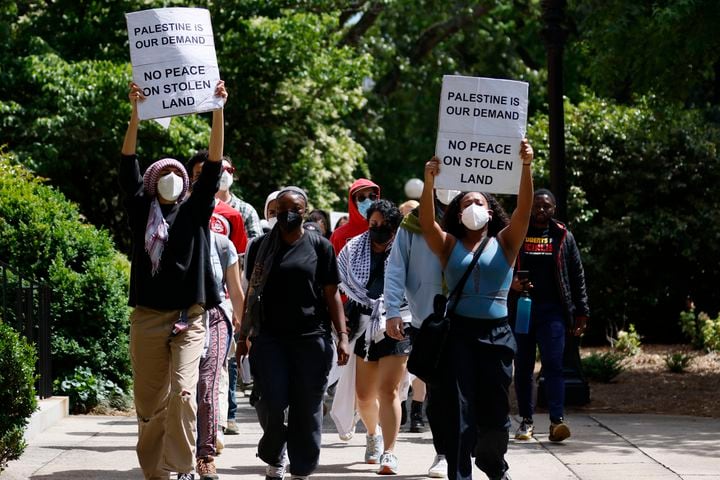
577, 390
554, 34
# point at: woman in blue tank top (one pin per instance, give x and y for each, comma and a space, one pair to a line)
481, 344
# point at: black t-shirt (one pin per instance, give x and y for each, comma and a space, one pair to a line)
376, 282
537, 257
185, 276
293, 298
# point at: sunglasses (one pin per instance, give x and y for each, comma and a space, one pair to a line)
230, 170
361, 198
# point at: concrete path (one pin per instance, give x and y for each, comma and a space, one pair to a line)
602, 447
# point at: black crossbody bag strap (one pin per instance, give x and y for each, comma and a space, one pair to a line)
459, 287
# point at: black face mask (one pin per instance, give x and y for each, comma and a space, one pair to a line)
381, 234
289, 220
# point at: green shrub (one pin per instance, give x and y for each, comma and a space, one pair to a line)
702, 331
43, 236
627, 167
678, 362
628, 342
603, 367
691, 327
17, 394
88, 391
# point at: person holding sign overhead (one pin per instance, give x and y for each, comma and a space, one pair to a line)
171, 285
481, 345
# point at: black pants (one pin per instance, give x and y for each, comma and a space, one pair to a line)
437, 407
479, 374
291, 373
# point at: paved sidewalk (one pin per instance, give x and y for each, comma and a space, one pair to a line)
603, 447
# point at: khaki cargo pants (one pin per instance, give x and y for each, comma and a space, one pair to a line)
165, 373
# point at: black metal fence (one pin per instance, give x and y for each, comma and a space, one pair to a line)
26, 307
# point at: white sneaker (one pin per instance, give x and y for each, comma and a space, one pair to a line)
274, 473
373, 448
438, 469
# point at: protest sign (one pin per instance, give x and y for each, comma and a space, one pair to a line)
481, 124
172, 52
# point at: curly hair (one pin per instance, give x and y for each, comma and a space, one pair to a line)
391, 214
453, 226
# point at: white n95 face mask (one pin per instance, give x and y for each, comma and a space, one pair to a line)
170, 187
226, 179
445, 196
475, 217
272, 221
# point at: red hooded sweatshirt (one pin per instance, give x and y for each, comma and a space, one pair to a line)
357, 224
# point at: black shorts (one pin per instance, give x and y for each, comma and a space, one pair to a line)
384, 348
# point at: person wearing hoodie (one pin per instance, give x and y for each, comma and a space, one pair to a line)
171, 285
362, 194
270, 212
414, 272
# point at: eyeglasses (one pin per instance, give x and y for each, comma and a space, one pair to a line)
361, 198
230, 170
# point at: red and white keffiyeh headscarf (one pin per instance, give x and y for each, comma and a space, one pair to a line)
157, 228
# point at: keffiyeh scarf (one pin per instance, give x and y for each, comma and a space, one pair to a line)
156, 235
354, 264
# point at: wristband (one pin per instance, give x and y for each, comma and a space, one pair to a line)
527, 164
343, 332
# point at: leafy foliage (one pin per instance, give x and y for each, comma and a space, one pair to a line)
643, 209
700, 329
603, 367
630, 48
678, 362
627, 342
87, 391
17, 396
42, 235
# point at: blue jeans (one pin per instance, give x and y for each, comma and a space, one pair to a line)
232, 381
547, 331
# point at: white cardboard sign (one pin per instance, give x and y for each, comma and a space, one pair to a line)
172, 52
481, 124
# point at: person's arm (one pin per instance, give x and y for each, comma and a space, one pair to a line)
130, 143
245, 329
576, 277
394, 288
440, 243
337, 316
217, 134
130, 179
512, 237
234, 286
206, 186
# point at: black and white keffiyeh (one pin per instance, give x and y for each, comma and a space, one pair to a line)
354, 264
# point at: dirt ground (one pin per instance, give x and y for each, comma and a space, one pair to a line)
647, 386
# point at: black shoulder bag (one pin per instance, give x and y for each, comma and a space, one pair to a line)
429, 345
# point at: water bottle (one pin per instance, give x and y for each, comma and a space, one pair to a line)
522, 317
